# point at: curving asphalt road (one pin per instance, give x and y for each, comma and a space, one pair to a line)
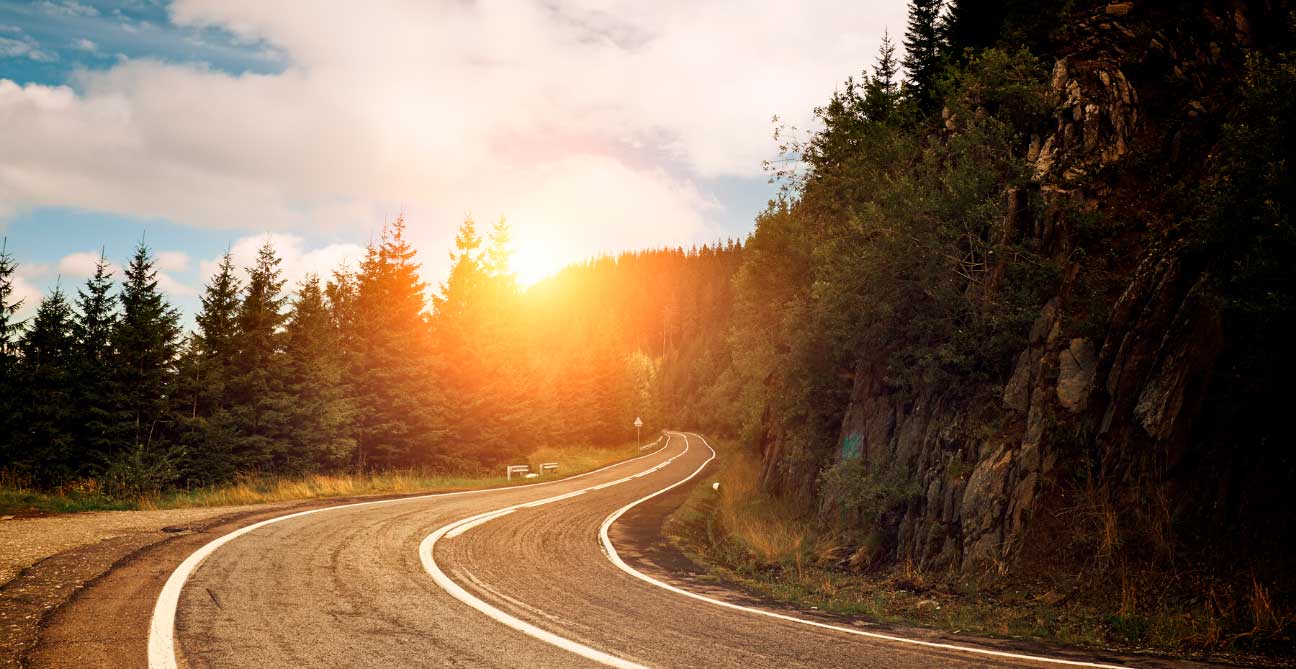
516, 577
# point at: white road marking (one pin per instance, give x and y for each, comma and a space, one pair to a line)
464, 528
616, 560
458, 592
161, 643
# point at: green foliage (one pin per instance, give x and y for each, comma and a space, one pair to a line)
890, 251
858, 490
924, 49
93, 368
8, 356
141, 470
145, 342
46, 374
259, 401
321, 414
398, 411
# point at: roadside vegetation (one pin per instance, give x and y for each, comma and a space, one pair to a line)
89, 494
765, 544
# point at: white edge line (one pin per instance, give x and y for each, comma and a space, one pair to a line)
161, 641
464, 528
616, 560
458, 592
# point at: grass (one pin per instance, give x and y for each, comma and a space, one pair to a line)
744, 536
17, 499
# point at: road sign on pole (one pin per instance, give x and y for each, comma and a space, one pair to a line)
638, 424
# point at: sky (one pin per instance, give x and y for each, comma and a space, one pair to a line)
592, 126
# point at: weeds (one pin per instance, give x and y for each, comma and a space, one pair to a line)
17, 496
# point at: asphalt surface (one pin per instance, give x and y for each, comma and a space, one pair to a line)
347, 587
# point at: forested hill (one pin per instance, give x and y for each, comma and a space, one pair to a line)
1025, 317
360, 371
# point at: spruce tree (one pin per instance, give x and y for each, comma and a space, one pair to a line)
218, 337
924, 51
9, 328
258, 397
459, 327
882, 91
145, 341
96, 318
207, 363
321, 416
48, 349
398, 408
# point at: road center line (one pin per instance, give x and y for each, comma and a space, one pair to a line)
612, 555
456, 528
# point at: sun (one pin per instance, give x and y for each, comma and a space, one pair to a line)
535, 258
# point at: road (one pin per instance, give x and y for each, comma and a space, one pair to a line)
516, 577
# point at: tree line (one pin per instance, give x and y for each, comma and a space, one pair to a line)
358, 371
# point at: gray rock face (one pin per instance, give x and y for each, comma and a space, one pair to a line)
1076, 366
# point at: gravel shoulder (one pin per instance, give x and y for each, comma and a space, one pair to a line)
26, 541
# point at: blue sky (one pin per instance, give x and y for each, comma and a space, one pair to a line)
202, 125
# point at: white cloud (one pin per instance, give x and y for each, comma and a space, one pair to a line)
83, 44
66, 8
23, 46
172, 287
593, 118
82, 265
297, 261
173, 261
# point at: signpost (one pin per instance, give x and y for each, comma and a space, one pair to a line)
638, 424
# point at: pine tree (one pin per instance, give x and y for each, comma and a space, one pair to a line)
46, 372
459, 324
499, 253
321, 415
9, 327
258, 398
97, 316
924, 51
218, 338
208, 427
882, 91
145, 342
398, 410
460, 294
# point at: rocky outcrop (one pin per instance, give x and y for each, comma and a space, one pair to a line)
1133, 388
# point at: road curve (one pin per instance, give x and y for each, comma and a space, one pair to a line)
516, 577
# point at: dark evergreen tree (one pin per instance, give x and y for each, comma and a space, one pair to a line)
924, 51
399, 412
46, 375
9, 327
219, 335
96, 318
145, 342
321, 414
258, 398
882, 92
206, 366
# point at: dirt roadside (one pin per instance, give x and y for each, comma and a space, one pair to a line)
50, 561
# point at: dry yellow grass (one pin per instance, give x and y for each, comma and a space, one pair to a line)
767, 529
264, 489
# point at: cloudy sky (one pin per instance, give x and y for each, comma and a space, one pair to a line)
592, 125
